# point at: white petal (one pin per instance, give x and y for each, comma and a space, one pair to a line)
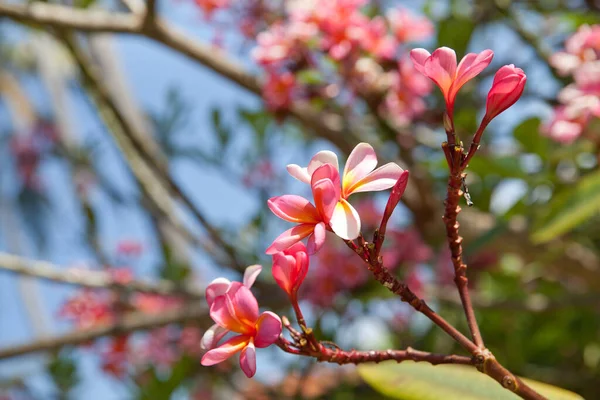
250, 274
299, 173
345, 221
322, 157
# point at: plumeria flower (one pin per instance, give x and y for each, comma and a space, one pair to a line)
290, 267
440, 67
507, 87
234, 309
332, 208
312, 220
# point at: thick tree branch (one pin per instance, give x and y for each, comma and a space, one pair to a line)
89, 278
129, 323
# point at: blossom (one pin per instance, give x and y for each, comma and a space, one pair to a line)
290, 267
332, 208
210, 6
360, 174
377, 41
278, 90
408, 27
507, 87
440, 67
312, 220
234, 309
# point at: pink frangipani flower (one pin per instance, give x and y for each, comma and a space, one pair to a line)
290, 267
234, 309
312, 220
360, 174
507, 87
332, 209
440, 67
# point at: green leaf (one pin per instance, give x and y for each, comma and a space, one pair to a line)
527, 134
569, 209
421, 381
455, 32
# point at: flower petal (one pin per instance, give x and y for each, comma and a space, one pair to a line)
224, 351
290, 237
299, 173
268, 329
469, 67
322, 157
216, 288
419, 57
212, 336
345, 221
283, 266
441, 68
361, 161
293, 208
242, 304
248, 359
317, 239
382, 178
325, 186
250, 275
222, 312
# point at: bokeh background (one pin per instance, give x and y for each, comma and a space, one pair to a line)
149, 154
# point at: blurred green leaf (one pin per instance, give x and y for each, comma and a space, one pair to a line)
455, 32
527, 134
569, 209
63, 371
421, 381
310, 77
576, 19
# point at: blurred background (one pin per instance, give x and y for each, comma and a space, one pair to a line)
140, 142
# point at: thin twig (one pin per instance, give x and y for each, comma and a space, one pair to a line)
129, 323
89, 278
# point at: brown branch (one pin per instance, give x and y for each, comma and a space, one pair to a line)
129, 323
341, 357
89, 278
390, 282
146, 167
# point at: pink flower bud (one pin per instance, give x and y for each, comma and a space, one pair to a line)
508, 86
290, 267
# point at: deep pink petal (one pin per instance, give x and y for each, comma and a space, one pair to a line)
382, 178
507, 88
326, 191
302, 262
250, 275
470, 66
441, 68
216, 288
419, 57
290, 237
212, 336
317, 239
293, 208
248, 359
361, 161
345, 221
322, 157
327, 172
222, 312
224, 351
243, 303
268, 329
283, 266
299, 173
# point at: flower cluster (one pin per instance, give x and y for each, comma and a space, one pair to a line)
234, 309
331, 209
328, 48
160, 347
580, 101
442, 68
